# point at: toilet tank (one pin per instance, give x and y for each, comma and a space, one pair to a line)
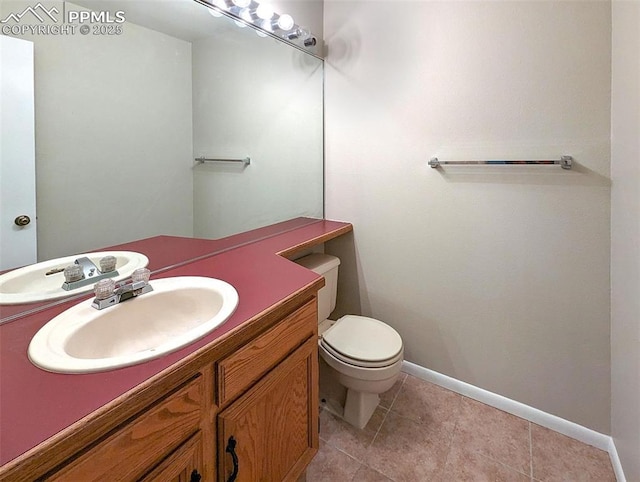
327, 266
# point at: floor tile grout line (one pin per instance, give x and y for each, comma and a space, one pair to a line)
529, 475
345, 453
362, 464
503, 464
384, 419
404, 380
453, 433
499, 462
530, 453
386, 410
387, 414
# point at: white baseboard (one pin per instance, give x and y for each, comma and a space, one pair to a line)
553, 422
615, 461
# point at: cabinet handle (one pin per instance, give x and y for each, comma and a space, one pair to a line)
231, 449
195, 476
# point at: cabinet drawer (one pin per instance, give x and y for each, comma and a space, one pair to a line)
130, 451
241, 369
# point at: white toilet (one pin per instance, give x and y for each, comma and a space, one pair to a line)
365, 353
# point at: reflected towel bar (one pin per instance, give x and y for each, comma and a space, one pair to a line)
246, 161
565, 162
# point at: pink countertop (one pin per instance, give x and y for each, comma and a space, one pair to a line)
169, 251
35, 404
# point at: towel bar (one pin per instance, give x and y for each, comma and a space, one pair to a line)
565, 162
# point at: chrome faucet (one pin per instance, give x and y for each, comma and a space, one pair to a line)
108, 294
84, 272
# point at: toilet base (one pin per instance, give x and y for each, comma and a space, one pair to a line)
363, 386
359, 407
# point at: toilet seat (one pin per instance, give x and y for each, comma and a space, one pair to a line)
363, 342
360, 363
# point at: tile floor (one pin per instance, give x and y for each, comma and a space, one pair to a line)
423, 432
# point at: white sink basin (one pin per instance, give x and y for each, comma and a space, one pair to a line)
32, 283
177, 312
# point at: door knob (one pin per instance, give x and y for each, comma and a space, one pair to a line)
22, 220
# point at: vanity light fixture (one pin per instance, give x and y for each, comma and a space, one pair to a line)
262, 16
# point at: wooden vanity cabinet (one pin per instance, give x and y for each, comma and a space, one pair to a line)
270, 432
257, 388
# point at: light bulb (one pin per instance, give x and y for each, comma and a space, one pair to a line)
260, 33
240, 24
241, 3
245, 14
285, 22
214, 12
264, 11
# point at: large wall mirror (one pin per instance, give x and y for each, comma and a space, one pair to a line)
120, 119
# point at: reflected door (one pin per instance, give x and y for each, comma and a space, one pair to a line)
17, 154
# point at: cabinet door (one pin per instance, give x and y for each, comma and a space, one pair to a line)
183, 465
273, 428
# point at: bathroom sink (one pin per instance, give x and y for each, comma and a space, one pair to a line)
43, 281
177, 312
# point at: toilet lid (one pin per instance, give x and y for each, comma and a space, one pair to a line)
363, 339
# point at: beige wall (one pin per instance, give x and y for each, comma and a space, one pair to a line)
113, 137
497, 276
625, 236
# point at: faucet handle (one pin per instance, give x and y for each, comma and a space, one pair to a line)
141, 274
108, 264
73, 272
104, 288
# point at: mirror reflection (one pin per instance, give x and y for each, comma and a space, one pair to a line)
120, 119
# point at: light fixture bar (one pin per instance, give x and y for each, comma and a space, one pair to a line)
278, 26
